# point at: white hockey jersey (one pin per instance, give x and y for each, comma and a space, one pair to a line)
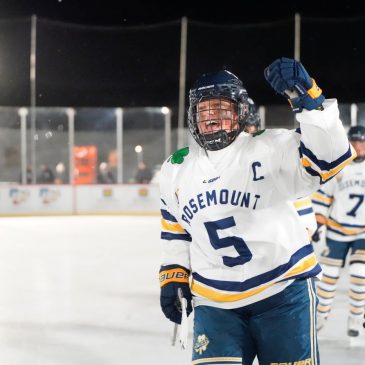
342, 201
228, 215
305, 210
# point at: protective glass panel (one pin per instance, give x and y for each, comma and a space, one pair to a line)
95, 146
51, 144
10, 145
144, 143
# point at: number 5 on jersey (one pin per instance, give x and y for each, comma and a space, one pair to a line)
238, 243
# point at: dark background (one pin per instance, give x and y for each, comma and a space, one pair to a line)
136, 12
114, 53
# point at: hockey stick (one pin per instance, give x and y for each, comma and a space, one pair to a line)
183, 333
174, 335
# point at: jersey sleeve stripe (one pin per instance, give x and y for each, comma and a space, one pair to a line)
324, 165
325, 176
320, 191
315, 202
301, 203
171, 236
319, 198
171, 227
325, 170
305, 211
168, 216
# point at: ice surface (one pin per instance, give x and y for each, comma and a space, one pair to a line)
84, 291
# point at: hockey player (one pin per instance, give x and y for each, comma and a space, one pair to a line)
340, 205
231, 238
253, 120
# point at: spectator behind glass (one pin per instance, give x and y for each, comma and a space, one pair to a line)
143, 175
60, 177
113, 164
28, 176
45, 175
105, 176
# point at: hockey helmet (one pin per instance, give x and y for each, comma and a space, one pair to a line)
221, 85
253, 118
357, 134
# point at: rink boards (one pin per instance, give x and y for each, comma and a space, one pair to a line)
19, 200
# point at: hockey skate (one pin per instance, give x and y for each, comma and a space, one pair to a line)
354, 324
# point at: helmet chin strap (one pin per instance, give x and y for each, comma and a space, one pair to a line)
218, 140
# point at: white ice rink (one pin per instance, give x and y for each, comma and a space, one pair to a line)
84, 291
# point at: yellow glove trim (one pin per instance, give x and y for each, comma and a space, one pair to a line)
314, 91
177, 275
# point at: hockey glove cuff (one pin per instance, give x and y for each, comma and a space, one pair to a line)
173, 277
289, 78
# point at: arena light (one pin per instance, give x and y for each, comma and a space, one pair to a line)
138, 148
139, 151
165, 110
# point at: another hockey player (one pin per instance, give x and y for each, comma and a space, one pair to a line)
253, 120
231, 238
340, 205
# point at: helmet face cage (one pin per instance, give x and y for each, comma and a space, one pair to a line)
357, 134
227, 90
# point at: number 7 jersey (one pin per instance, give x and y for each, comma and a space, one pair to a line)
342, 201
228, 215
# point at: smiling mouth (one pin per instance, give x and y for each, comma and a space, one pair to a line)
211, 122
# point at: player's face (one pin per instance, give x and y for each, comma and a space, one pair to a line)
359, 147
217, 114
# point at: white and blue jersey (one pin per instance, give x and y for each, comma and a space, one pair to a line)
305, 210
342, 201
228, 215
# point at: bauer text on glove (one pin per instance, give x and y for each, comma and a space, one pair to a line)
173, 277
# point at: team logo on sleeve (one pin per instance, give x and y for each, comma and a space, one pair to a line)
201, 343
179, 156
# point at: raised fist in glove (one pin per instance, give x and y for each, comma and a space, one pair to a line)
173, 277
289, 78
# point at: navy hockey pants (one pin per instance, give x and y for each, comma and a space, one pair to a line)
279, 330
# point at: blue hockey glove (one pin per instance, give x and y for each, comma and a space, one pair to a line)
289, 78
173, 277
